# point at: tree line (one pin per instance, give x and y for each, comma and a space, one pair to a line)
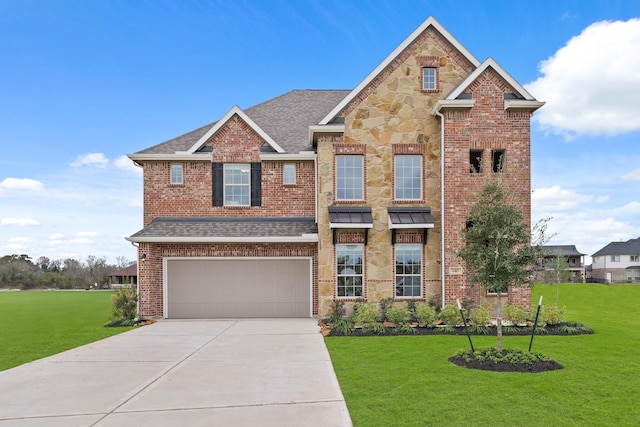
22, 272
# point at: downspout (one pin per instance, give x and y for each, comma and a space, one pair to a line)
137, 246
442, 264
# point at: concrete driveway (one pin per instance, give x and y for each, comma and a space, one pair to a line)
183, 373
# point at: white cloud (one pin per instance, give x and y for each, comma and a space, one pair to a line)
557, 199
591, 85
90, 159
86, 234
19, 221
20, 240
632, 176
56, 236
20, 184
123, 162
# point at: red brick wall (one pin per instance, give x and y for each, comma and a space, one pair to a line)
150, 280
235, 142
486, 126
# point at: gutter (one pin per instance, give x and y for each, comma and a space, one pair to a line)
442, 211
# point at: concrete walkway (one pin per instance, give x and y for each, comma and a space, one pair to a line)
183, 373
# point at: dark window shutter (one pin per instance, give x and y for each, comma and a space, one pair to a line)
217, 186
256, 184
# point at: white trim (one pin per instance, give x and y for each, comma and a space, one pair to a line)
420, 225
426, 24
350, 225
490, 62
520, 103
223, 121
323, 129
171, 157
453, 103
301, 156
165, 281
304, 238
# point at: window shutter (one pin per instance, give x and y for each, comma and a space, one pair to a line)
217, 186
256, 184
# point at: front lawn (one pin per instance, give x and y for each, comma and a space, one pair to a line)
408, 381
36, 324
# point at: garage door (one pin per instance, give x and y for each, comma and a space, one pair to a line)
236, 288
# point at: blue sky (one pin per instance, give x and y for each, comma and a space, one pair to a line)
83, 83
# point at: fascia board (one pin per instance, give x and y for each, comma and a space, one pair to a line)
223, 121
453, 103
171, 157
426, 24
408, 226
510, 104
303, 155
324, 129
304, 238
490, 62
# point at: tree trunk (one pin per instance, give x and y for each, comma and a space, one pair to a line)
499, 320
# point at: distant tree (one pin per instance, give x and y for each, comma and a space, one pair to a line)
18, 271
559, 267
498, 250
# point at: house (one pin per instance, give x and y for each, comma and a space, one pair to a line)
617, 262
124, 276
574, 258
318, 196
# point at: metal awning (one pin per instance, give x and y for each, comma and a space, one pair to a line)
410, 218
350, 217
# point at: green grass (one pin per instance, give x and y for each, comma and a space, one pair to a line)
36, 324
408, 381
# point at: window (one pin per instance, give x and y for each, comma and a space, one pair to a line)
615, 258
498, 160
429, 78
236, 184
408, 270
349, 178
408, 177
289, 174
176, 174
475, 161
349, 270
634, 258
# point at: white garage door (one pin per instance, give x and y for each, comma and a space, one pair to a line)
237, 288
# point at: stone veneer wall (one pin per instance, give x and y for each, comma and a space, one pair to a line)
150, 280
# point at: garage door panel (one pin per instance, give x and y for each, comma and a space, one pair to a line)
208, 288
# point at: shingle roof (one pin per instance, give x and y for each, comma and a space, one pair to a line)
286, 119
190, 228
565, 250
630, 247
132, 270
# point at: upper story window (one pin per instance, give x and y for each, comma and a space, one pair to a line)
615, 258
475, 161
176, 174
429, 78
408, 177
350, 270
237, 178
498, 161
408, 270
289, 174
634, 258
349, 177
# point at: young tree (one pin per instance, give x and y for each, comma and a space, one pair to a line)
498, 249
560, 269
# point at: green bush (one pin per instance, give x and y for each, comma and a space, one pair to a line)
384, 306
514, 314
366, 313
426, 314
398, 315
124, 308
450, 315
551, 315
481, 315
337, 311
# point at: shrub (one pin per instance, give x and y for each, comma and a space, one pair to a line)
343, 327
337, 311
450, 315
426, 314
384, 306
398, 315
514, 314
366, 313
481, 315
551, 314
124, 308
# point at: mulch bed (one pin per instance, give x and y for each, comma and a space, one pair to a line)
490, 365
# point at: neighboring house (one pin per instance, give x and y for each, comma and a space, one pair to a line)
617, 262
124, 276
575, 263
318, 196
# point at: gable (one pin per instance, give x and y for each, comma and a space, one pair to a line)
433, 40
235, 141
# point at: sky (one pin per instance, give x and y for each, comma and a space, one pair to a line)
84, 83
